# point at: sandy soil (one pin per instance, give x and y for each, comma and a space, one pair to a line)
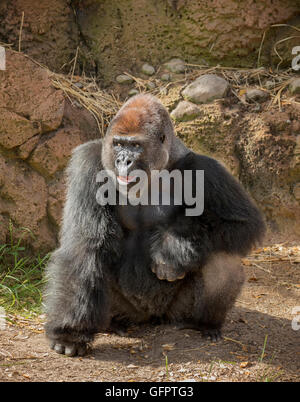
263, 314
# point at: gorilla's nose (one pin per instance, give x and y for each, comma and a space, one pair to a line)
123, 164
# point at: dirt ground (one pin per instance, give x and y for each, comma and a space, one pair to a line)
259, 342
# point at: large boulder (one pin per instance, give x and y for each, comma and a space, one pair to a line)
206, 88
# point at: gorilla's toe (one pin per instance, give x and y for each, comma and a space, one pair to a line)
70, 350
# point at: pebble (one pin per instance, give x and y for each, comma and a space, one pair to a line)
185, 111
78, 85
166, 77
151, 85
176, 66
270, 84
124, 79
133, 92
256, 95
148, 69
294, 86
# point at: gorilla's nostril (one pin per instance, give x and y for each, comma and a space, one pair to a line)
129, 163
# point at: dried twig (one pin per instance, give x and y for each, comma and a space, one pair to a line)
74, 65
20, 33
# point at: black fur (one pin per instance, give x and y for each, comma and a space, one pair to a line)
105, 274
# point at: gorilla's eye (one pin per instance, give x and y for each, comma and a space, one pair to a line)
162, 138
137, 145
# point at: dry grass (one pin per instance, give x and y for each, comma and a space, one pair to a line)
86, 93
276, 253
264, 258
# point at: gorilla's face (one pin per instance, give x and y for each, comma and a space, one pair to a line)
139, 138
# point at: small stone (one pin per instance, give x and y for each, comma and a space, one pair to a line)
166, 77
294, 86
133, 92
163, 91
185, 111
176, 66
78, 85
151, 85
256, 95
206, 88
257, 108
148, 69
270, 84
124, 79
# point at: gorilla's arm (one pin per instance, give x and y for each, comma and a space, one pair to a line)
77, 303
230, 223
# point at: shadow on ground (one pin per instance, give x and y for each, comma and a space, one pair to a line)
245, 333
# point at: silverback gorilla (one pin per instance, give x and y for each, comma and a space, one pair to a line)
122, 264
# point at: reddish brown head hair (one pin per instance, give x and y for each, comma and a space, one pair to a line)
134, 115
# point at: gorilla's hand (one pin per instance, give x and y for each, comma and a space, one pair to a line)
167, 272
173, 255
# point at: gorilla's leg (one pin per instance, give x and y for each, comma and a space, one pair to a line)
223, 277
76, 300
123, 312
208, 295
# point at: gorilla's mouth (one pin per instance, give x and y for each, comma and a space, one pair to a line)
124, 180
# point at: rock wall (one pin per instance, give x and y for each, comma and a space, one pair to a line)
38, 130
113, 36
49, 31
122, 34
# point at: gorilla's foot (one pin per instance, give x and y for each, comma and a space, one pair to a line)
118, 329
167, 273
208, 332
73, 349
214, 334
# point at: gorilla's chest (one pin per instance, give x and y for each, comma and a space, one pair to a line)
139, 224
141, 217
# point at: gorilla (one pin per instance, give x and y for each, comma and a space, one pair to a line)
121, 264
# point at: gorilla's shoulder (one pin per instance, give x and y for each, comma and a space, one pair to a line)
194, 161
90, 150
86, 156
